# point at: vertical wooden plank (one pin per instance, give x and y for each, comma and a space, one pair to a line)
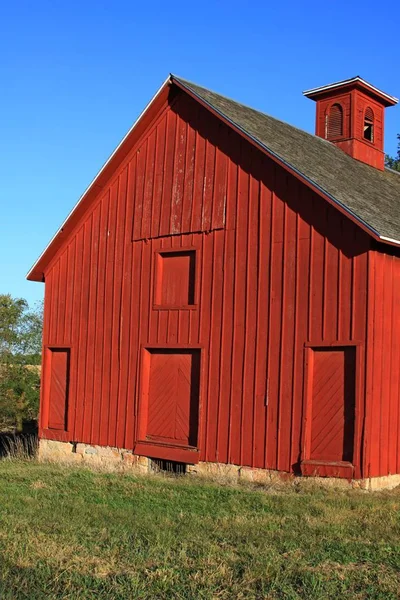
221, 172
148, 185
134, 344
53, 330
263, 300
99, 317
125, 416
141, 160
166, 201
153, 314
208, 188
106, 391
205, 316
62, 292
317, 270
359, 295
287, 316
83, 332
158, 176
91, 348
240, 297
214, 355
190, 159
345, 280
45, 375
275, 321
175, 226
120, 190
249, 358
69, 283
199, 175
74, 398
331, 278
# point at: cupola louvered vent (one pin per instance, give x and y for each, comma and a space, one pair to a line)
369, 125
334, 122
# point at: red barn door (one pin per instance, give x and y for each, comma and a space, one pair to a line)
57, 400
169, 406
330, 410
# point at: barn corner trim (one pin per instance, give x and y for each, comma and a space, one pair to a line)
36, 272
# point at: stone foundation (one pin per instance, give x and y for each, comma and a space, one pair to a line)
113, 459
269, 477
110, 459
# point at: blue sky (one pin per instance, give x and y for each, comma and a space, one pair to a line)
75, 75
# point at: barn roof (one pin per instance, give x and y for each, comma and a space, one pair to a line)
369, 194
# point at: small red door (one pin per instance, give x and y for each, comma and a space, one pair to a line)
58, 393
330, 413
169, 407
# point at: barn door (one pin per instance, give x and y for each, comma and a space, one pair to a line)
330, 411
169, 404
57, 388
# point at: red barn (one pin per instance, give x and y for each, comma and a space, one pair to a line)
227, 292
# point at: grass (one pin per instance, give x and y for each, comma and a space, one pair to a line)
76, 534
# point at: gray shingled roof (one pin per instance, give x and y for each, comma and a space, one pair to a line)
372, 195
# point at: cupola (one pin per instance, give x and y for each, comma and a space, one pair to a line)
351, 114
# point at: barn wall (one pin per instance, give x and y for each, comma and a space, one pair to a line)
277, 268
383, 365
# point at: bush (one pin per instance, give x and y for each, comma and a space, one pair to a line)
20, 356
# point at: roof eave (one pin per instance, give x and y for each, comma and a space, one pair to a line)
388, 240
315, 92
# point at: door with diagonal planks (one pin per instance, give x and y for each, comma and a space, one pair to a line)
169, 410
332, 405
58, 359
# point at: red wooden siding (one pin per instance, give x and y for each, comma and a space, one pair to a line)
275, 268
382, 453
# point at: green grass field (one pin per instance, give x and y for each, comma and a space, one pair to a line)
76, 534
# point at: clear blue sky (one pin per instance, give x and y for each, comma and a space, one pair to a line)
75, 75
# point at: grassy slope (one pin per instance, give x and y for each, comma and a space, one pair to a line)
68, 533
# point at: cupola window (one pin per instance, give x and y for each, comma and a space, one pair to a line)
369, 125
334, 122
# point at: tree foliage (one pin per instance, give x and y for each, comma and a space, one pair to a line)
20, 356
394, 162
